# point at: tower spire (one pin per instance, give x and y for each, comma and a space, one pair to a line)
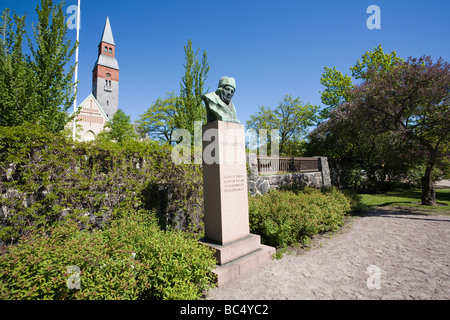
107, 35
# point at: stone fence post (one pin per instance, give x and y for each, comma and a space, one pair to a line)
326, 178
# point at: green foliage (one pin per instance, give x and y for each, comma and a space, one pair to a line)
16, 77
393, 121
285, 217
377, 61
53, 85
159, 120
131, 259
356, 179
294, 148
119, 128
410, 101
339, 86
190, 106
44, 176
36, 88
175, 265
291, 118
337, 89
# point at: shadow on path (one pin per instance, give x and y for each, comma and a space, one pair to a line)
400, 213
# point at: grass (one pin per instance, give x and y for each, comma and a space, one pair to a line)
407, 199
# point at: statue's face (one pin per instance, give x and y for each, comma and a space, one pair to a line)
226, 93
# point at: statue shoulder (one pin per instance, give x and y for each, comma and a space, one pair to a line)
212, 96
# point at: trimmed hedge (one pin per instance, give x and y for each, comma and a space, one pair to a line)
130, 259
285, 217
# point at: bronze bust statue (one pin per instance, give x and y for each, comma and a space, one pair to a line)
218, 104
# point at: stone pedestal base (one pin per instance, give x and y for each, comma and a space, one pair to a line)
226, 202
239, 257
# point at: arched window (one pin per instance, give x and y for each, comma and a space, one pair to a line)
106, 49
108, 85
110, 50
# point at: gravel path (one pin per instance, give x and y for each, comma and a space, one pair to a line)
385, 254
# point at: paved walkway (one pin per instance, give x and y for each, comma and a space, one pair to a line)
384, 254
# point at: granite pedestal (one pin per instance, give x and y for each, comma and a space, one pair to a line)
226, 202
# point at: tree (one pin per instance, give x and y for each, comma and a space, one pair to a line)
377, 61
366, 155
17, 103
398, 114
190, 107
336, 92
36, 88
412, 100
291, 117
339, 86
347, 139
119, 128
54, 86
159, 120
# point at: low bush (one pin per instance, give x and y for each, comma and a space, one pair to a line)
132, 258
285, 217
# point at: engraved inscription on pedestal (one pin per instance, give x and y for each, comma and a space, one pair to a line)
234, 183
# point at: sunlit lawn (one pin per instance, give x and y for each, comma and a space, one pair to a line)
408, 199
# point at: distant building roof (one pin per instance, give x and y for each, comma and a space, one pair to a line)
107, 33
91, 97
107, 61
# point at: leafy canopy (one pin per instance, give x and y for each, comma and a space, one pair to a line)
37, 87
119, 128
339, 85
291, 118
190, 106
158, 122
398, 115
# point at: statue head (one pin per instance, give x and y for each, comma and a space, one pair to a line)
226, 89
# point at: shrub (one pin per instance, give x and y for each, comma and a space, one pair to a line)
174, 265
45, 176
284, 217
131, 259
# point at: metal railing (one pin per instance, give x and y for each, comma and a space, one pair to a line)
282, 164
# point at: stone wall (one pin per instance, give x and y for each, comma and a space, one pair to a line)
262, 184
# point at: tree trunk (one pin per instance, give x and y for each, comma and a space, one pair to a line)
428, 192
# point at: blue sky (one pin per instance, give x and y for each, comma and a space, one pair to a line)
271, 47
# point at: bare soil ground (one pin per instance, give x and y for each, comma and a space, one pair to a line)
386, 253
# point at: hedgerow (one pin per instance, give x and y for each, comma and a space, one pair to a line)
45, 177
131, 258
92, 206
285, 217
